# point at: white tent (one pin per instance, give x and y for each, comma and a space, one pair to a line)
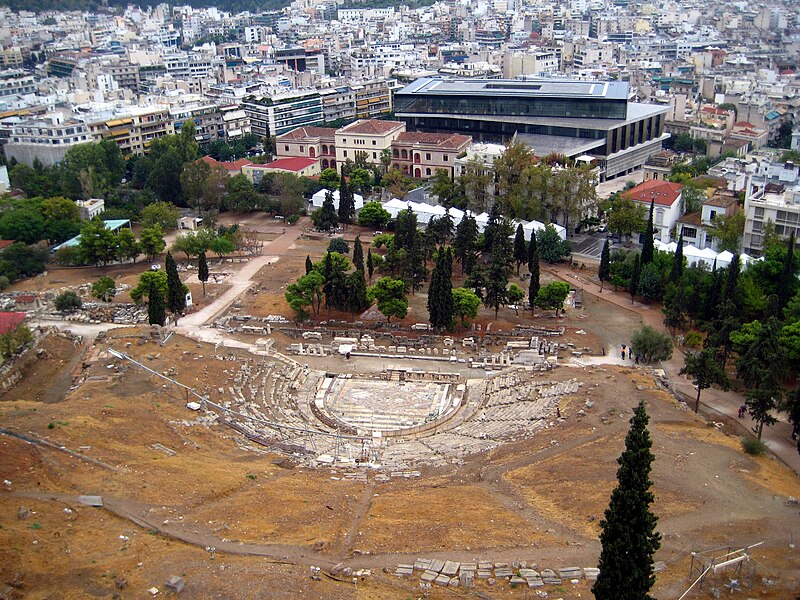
706, 256
318, 198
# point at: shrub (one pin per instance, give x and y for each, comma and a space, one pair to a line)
693, 339
651, 344
338, 245
292, 219
753, 446
68, 301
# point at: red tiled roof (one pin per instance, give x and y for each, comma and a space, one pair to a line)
713, 110
452, 141
694, 218
9, 321
228, 166
664, 193
302, 133
744, 124
295, 163
5, 244
24, 299
371, 126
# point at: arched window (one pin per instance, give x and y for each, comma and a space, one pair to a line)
417, 173
395, 153
312, 152
324, 149
324, 163
417, 158
404, 154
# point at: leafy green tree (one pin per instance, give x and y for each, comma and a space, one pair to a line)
651, 345
465, 243
789, 338
22, 225
222, 245
202, 270
306, 293
746, 335
648, 248
390, 295
60, 230
440, 292
240, 195
728, 231
604, 271
98, 243
693, 196
59, 208
329, 179
104, 289
142, 289
552, 296
551, 247
515, 294
633, 286
629, 538
520, 247
787, 283
68, 301
19, 260
360, 180
14, 341
761, 369
128, 247
163, 214
649, 283
625, 216
151, 240
156, 313
373, 215
705, 371
339, 245
465, 304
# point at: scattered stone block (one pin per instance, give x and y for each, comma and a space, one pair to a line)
591, 573
175, 584
517, 581
503, 572
535, 582
570, 573
442, 580
437, 565
484, 574
466, 579
450, 568
429, 576
23, 513
404, 570
422, 564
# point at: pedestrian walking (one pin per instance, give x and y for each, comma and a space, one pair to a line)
742, 410
637, 359
622, 351
630, 352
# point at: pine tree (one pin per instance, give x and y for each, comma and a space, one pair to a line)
202, 270
633, 286
520, 247
440, 292
176, 297
309, 264
358, 254
648, 249
677, 261
533, 269
356, 292
370, 263
497, 275
156, 314
787, 280
604, 272
629, 538
492, 232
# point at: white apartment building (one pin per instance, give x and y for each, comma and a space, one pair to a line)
47, 138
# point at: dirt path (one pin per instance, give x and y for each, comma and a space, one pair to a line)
362, 508
714, 403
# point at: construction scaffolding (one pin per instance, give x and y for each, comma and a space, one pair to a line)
721, 570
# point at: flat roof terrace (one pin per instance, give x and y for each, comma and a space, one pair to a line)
610, 90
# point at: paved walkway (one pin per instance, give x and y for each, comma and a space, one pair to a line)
714, 404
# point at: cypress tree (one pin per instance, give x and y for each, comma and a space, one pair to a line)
202, 270
533, 269
520, 247
370, 263
309, 264
648, 244
328, 218
356, 292
731, 280
604, 272
677, 261
633, 286
629, 538
440, 292
156, 315
176, 297
464, 243
346, 202
358, 254
786, 281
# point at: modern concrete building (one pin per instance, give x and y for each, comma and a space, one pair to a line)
280, 112
551, 115
47, 138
